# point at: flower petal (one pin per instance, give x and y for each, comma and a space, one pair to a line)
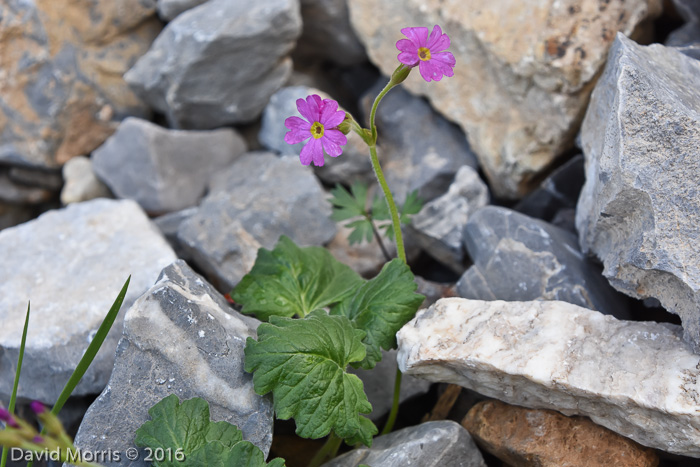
429, 70
315, 103
331, 117
404, 45
296, 136
304, 110
408, 58
444, 57
336, 136
331, 148
309, 152
296, 123
418, 36
439, 42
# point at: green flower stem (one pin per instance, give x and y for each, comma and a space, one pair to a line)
327, 451
394, 406
397, 77
390, 201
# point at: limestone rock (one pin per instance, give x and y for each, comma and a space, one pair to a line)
181, 338
353, 164
517, 258
688, 9
431, 444
639, 211
164, 170
686, 39
418, 148
19, 193
218, 63
439, 226
60, 74
169, 9
170, 223
327, 33
251, 204
545, 438
71, 263
638, 379
81, 183
524, 70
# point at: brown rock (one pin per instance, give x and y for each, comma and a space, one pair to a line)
61, 67
525, 70
545, 438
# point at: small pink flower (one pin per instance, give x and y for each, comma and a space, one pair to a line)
322, 119
427, 52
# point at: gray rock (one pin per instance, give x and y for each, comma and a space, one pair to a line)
164, 170
366, 259
418, 148
557, 194
169, 224
353, 164
378, 384
61, 90
251, 204
639, 210
81, 183
48, 179
686, 39
431, 444
327, 33
517, 258
71, 263
218, 63
169, 9
439, 226
19, 193
636, 378
688, 9
181, 338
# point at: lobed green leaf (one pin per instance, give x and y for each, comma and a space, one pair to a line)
290, 280
347, 205
303, 363
381, 307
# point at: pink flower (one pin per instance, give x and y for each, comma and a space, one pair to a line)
427, 52
322, 118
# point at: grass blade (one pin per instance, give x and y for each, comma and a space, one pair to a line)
91, 351
13, 397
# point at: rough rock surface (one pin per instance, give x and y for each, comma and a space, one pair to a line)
164, 170
71, 263
524, 70
218, 63
181, 338
545, 438
169, 224
327, 33
418, 148
353, 164
61, 64
639, 211
169, 9
81, 183
517, 258
431, 444
638, 379
439, 226
251, 204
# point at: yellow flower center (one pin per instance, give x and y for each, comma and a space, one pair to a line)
424, 53
317, 130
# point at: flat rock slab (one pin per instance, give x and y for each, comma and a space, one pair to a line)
431, 444
181, 338
639, 211
638, 379
545, 438
524, 70
71, 263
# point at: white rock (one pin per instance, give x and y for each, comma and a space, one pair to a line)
81, 182
636, 378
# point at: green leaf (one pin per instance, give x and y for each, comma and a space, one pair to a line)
412, 205
290, 281
362, 231
347, 205
185, 430
381, 307
303, 363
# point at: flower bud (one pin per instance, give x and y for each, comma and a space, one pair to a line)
37, 407
7, 417
400, 74
346, 125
